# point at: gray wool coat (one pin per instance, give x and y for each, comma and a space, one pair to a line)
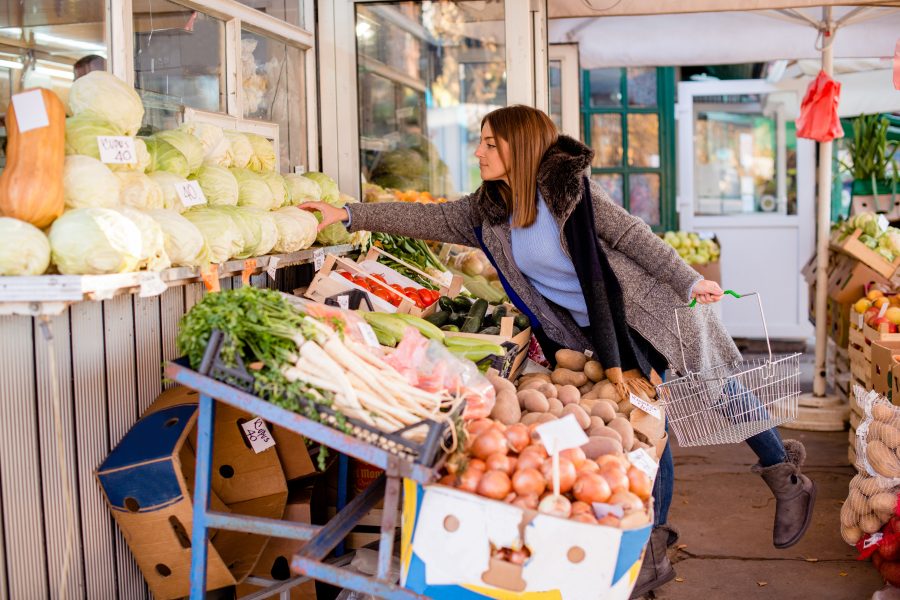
654, 278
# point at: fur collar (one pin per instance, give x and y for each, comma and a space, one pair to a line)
559, 180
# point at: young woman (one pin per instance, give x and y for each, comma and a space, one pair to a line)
589, 276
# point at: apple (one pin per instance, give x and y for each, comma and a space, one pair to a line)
893, 315
884, 325
874, 295
879, 302
862, 305
871, 313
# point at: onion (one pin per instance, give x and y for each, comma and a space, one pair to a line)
494, 484
478, 426
612, 459
590, 488
517, 437
510, 497
616, 478
475, 463
588, 466
626, 500
469, 480
575, 455
557, 506
529, 501
609, 521
581, 507
539, 448
566, 474
639, 483
489, 442
529, 459
501, 462
529, 481
585, 518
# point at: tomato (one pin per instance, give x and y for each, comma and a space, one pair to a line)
410, 291
383, 294
346, 275
379, 278
423, 298
361, 282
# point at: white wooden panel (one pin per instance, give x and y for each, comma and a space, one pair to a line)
60, 510
171, 309
147, 351
193, 293
23, 522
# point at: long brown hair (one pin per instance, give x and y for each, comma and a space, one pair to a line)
529, 133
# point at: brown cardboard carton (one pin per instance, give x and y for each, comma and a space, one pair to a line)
895, 383
848, 278
882, 361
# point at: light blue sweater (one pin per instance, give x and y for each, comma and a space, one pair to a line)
539, 255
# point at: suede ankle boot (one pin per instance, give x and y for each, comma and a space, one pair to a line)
656, 570
795, 495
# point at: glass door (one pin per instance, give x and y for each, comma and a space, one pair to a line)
564, 89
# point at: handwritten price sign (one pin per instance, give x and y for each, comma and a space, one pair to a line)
116, 149
190, 193
258, 435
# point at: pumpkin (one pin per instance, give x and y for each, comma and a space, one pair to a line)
31, 185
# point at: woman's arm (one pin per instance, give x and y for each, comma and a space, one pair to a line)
452, 222
634, 238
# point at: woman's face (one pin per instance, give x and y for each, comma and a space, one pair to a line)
488, 155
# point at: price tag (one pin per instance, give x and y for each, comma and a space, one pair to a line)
247, 271
589, 353
883, 309
190, 193
116, 149
369, 335
258, 435
343, 302
562, 434
883, 223
446, 278
642, 460
151, 284
645, 406
860, 321
272, 266
318, 259
872, 540
30, 110
210, 278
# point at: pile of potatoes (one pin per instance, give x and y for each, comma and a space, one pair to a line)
578, 387
869, 505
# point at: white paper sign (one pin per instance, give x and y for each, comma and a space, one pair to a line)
883, 310
872, 540
258, 435
343, 302
190, 193
272, 266
562, 434
318, 259
31, 113
642, 460
883, 223
645, 406
116, 149
589, 353
369, 334
151, 284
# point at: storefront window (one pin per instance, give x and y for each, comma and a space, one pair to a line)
428, 73
273, 90
605, 87
606, 137
555, 78
179, 60
286, 10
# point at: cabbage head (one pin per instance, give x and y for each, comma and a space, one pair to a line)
257, 227
184, 244
105, 96
302, 189
87, 182
82, 132
253, 189
166, 182
139, 191
278, 187
25, 249
153, 245
166, 157
218, 185
296, 229
263, 158
142, 162
212, 139
240, 150
223, 238
95, 241
336, 234
330, 192
186, 144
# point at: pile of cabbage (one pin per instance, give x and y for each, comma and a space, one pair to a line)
875, 233
121, 218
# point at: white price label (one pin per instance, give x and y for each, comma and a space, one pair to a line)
883, 310
369, 335
190, 193
446, 278
258, 435
883, 223
343, 302
860, 320
645, 406
872, 540
31, 113
562, 434
272, 266
151, 284
642, 460
318, 259
589, 353
116, 149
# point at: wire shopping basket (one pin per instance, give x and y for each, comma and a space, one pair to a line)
729, 403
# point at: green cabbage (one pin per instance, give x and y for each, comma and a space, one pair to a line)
87, 182
240, 150
25, 249
166, 157
253, 189
184, 244
212, 139
223, 238
263, 158
218, 185
302, 189
279, 188
166, 182
257, 227
296, 229
95, 241
139, 191
82, 132
153, 246
103, 95
336, 234
330, 192
186, 144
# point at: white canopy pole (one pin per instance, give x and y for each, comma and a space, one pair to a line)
823, 229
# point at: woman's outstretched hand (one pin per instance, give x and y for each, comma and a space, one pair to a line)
707, 292
330, 214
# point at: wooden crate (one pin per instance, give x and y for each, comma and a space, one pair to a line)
858, 250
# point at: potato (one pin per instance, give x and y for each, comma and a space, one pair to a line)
564, 376
548, 390
594, 394
543, 376
594, 371
851, 535
883, 502
598, 446
533, 401
506, 408
870, 523
625, 407
531, 384
545, 418
606, 390
604, 410
597, 422
530, 418
624, 429
556, 407
586, 388
606, 431
501, 383
584, 421
568, 394
588, 404
570, 359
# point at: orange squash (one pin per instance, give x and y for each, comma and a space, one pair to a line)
31, 185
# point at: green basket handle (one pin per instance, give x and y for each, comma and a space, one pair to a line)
729, 292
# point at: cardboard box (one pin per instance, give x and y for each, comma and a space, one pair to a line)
446, 550
148, 483
848, 279
882, 361
851, 246
895, 383
711, 271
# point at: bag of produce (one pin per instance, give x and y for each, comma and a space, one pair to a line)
878, 437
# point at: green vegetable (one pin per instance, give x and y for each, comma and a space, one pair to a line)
253, 189
184, 243
456, 341
87, 183
82, 132
387, 327
522, 322
439, 318
296, 229
426, 328
153, 246
301, 189
240, 150
223, 237
477, 353
492, 330
445, 303
496, 315
330, 192
187, 144
167, 182
481, 288
95, 241
104, 96
212, 139
263, 158
218, 184
25, 249
475, 317
139, 191
166, 157
462, 304
451, 328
